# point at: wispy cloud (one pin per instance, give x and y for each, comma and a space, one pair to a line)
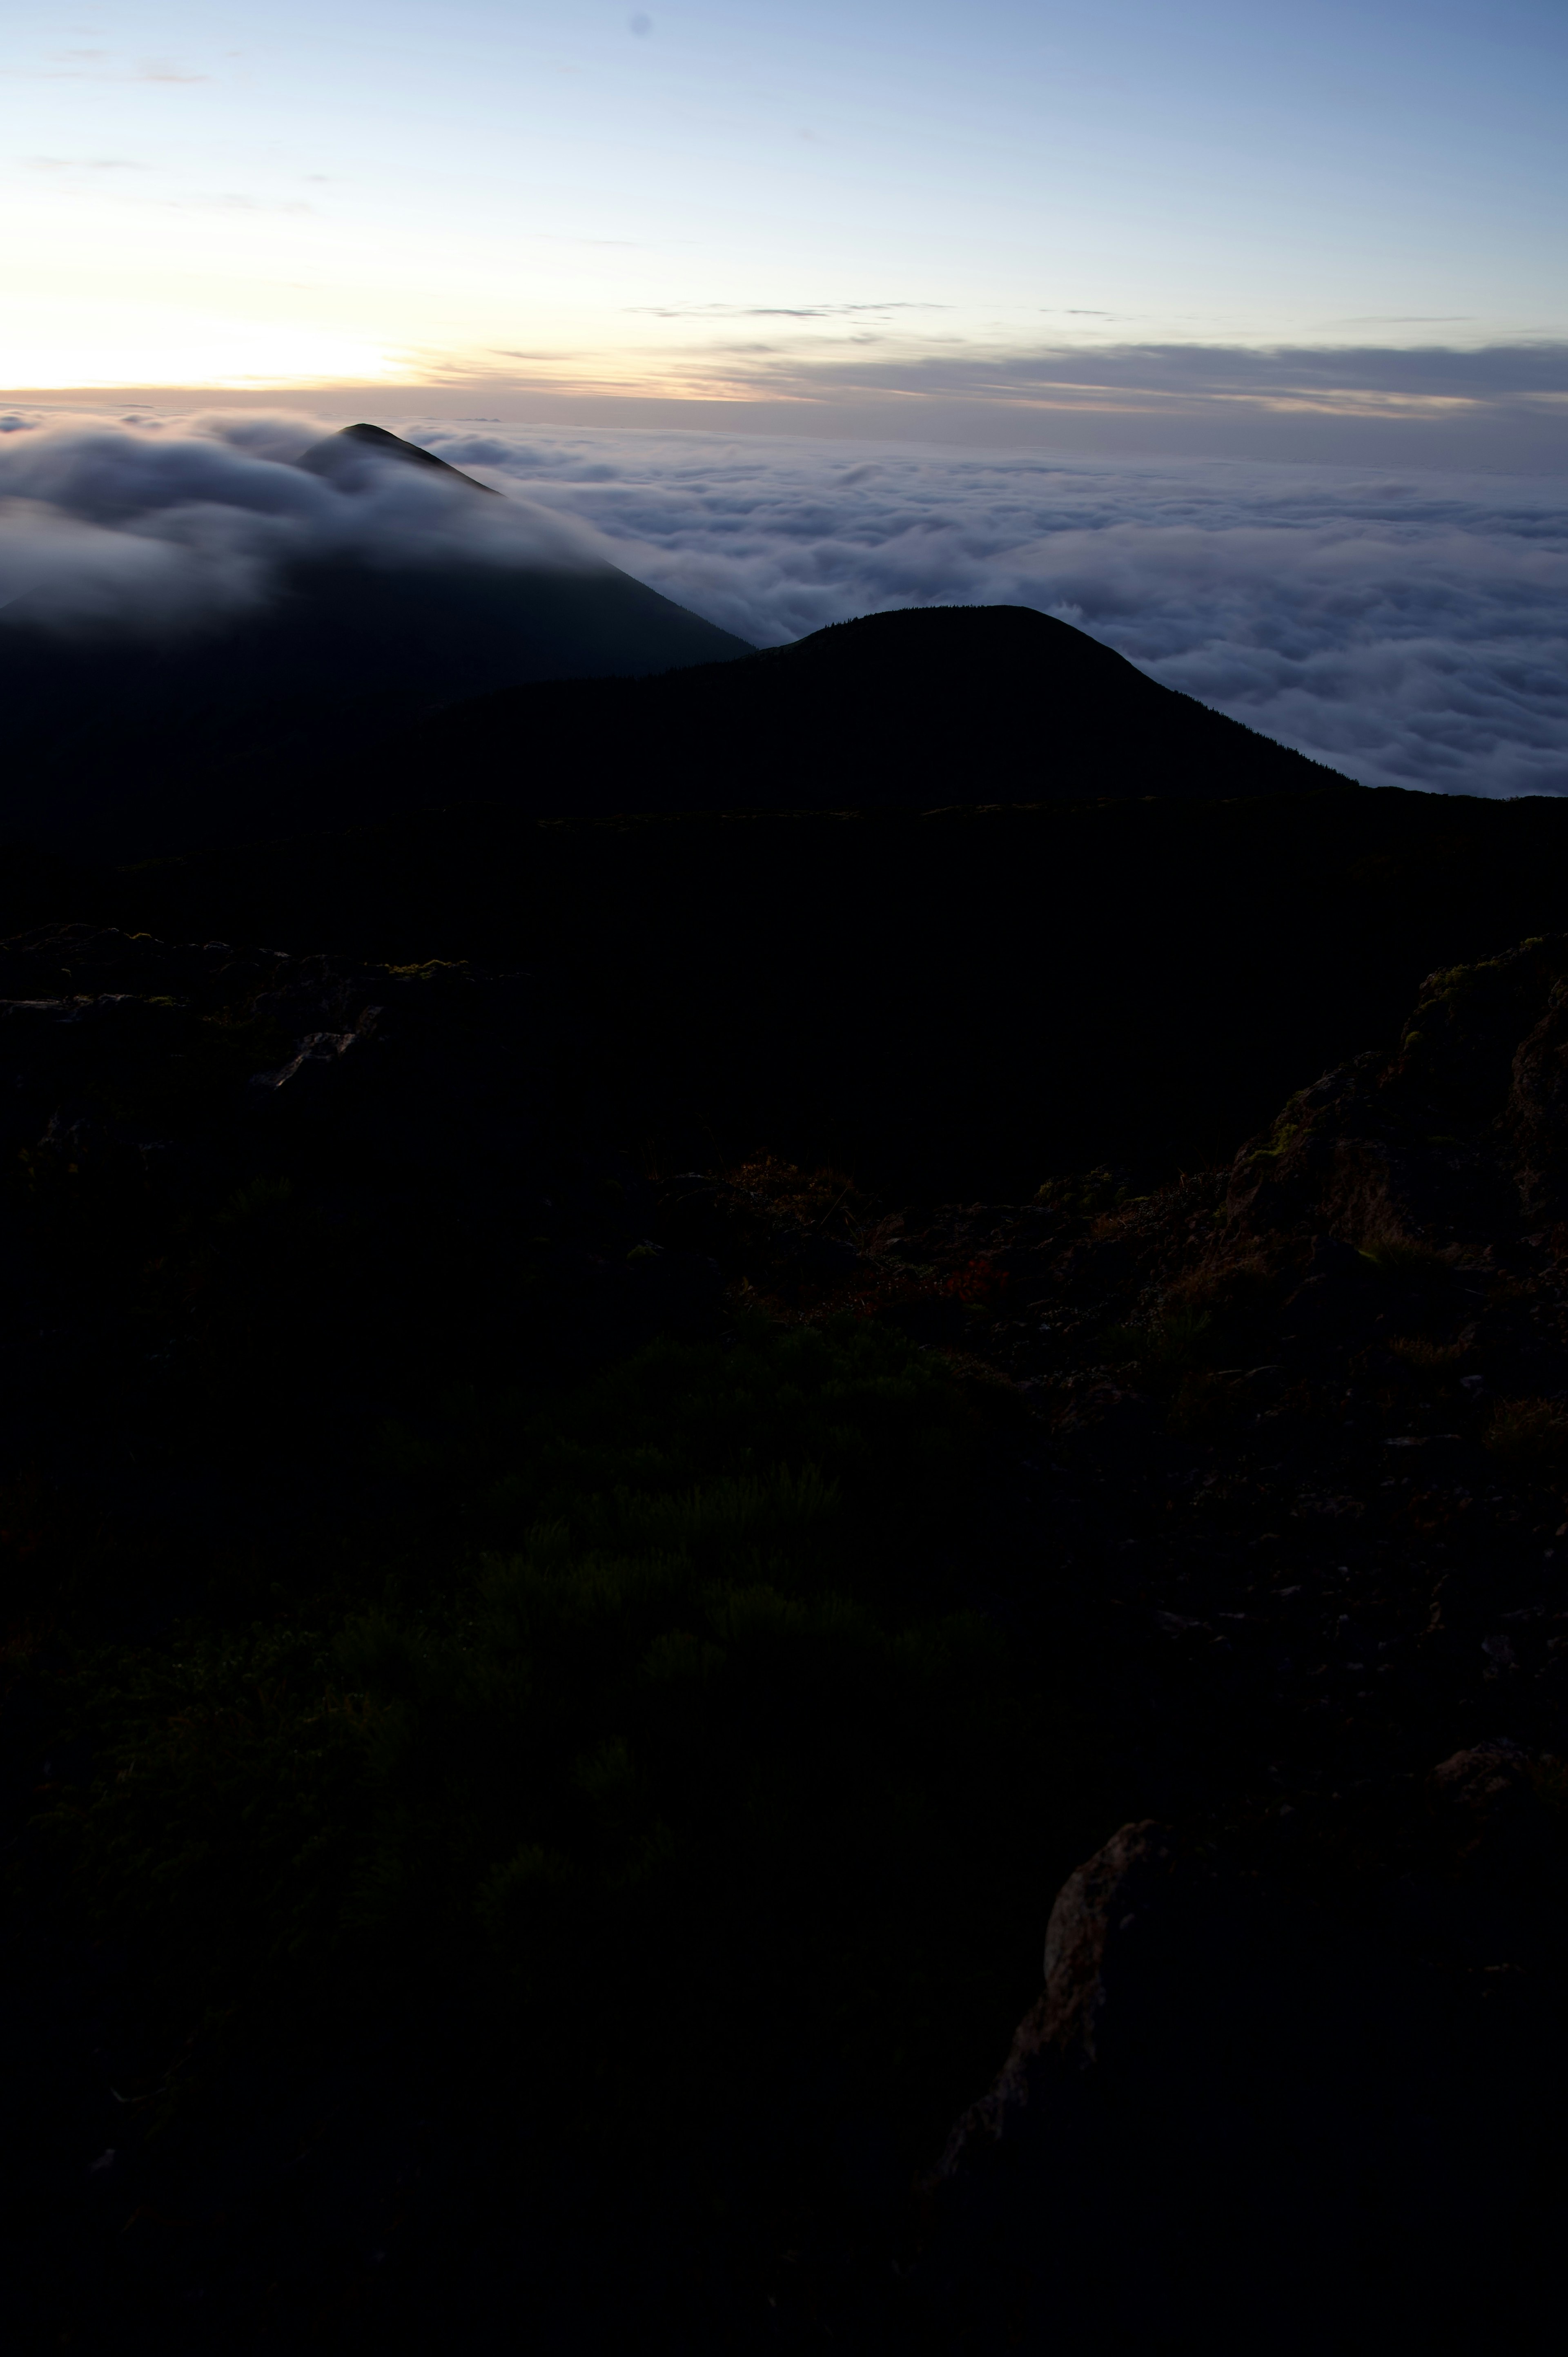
1160, 374
776, 310
232, 202
108, 64
163, 69
81, 164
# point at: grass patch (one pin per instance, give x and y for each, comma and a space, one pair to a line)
1170, 1345
1528, 1435
1432, 1366
1407, 1257
669, 1742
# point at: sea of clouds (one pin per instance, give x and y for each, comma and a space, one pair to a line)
1410, 629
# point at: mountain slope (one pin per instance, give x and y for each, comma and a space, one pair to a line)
341, 458
927, 706
140, 739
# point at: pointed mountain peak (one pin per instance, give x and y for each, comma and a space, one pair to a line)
339, 452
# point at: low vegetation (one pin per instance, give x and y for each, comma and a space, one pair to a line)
681, 1668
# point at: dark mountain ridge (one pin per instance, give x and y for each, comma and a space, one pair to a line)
342, 456
134, 739
925, 707
364, 687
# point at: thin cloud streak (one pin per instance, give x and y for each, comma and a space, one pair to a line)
1341, 380
1533, 370
853, 369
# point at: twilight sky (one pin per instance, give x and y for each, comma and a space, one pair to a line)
1235, 331
1008, 216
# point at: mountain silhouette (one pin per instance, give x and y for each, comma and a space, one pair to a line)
146, 738
366, 685
342, 456
927, 706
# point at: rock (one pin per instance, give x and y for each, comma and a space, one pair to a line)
1538, 1106
1096, 1910
318, 1050
1181, 1624
1460, 1042
1096, 1932
1232, 2121
1486, 1798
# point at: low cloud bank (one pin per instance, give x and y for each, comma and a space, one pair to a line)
1408, 628
142, 526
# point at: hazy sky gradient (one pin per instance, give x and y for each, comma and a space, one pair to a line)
718, 201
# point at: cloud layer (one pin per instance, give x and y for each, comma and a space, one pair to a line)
1409, 629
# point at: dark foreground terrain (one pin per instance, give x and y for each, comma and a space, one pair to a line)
636, 1451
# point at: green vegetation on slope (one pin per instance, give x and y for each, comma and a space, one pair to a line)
664, 1785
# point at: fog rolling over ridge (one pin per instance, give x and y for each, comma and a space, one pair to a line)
189, 618
221, 615
1401, 628
232, 634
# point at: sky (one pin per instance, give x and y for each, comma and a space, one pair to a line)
934, 219
1235, 331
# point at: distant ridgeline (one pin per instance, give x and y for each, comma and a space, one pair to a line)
930, 706
362, 689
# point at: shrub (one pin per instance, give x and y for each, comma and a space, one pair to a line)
1396, 1255
1529, 1433
1432, 1364
1084, 1194
1203, 1405
1174, 1341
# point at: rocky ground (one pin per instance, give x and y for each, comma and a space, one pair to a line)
1297, 1499
1279, 1487
1345, 1545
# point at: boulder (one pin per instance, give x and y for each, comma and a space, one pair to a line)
1096, 1940
1536, 1113
1486, 1800
1230, 2121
